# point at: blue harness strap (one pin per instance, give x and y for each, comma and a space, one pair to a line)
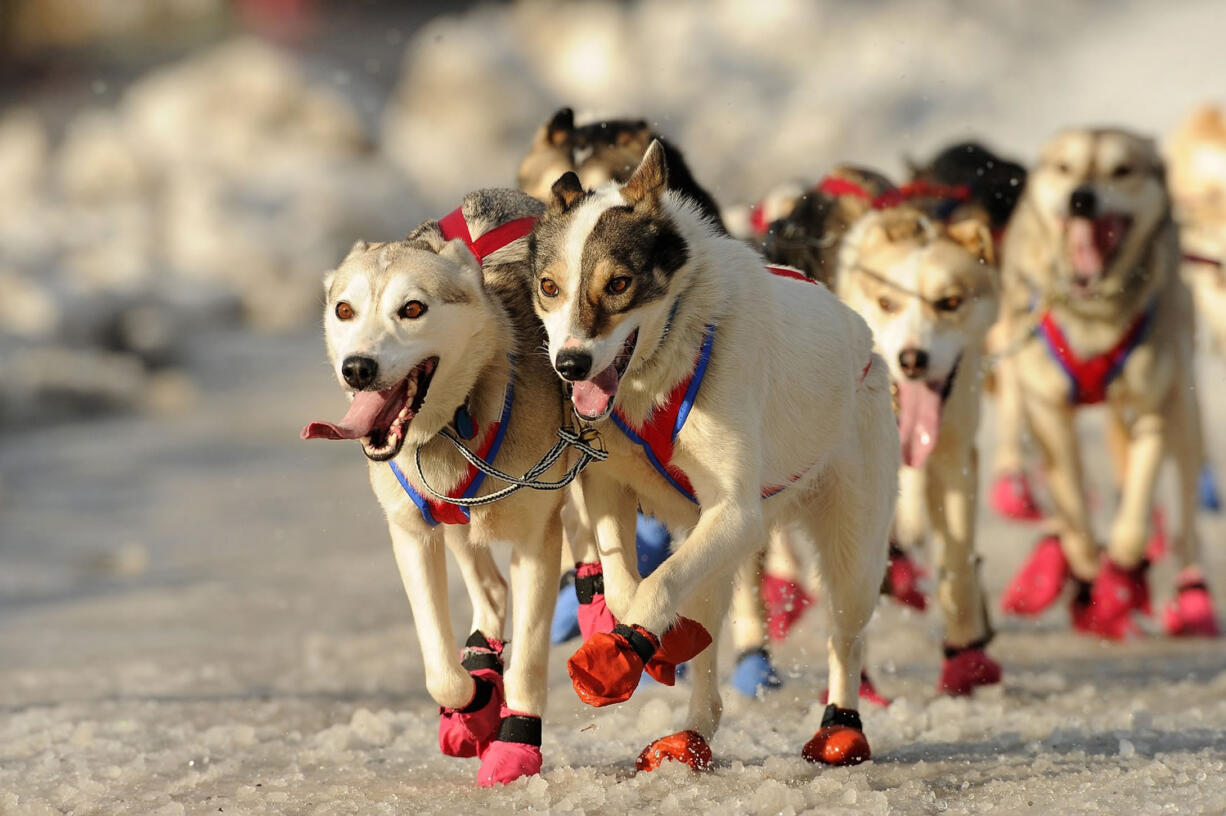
434, 511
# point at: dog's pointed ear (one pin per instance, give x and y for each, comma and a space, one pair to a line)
975, 237
329, 277
560, 127
565, 192
650, 179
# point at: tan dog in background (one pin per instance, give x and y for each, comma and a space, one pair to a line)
929, 292
1091, 262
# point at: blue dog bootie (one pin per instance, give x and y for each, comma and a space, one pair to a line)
1210, 498
754, 673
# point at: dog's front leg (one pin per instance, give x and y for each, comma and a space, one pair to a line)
952, 503
534, 574
1053, 427
423, 569
611, 509
1130, 531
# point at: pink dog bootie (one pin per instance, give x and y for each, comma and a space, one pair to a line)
966, 668
1012, 497
1190, 613
1039, 582
594, 615
1106, 610
516, 752
785, 601
466, 732
902, 578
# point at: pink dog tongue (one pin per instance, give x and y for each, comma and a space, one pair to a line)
592, 397
1084, 252
919, 417
357, 422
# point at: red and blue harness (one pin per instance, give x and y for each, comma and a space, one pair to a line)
434, 511
658, 435
1090, 376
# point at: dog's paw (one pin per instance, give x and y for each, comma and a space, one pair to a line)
1012, 497
468, 731
840, 740
755, 674
965, 670
687, 747
1039, 582
607, 668
515, 754
1106, 610
1190, 613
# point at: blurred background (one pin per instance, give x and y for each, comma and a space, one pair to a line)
177, 175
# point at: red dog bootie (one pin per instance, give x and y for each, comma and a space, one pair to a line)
1190, 613
1039, 582
686, 747
466, 732
683, 641
516, 752
902, 577
785, 602
966, 668
840, 740
868, 692
1105, 610
1012, 497
594, 615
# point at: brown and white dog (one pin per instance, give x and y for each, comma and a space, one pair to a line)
1091, 269
731, 400
436, 332
929, 292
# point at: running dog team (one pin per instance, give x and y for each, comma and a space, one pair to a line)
757, 415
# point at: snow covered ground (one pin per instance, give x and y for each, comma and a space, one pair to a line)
201, 614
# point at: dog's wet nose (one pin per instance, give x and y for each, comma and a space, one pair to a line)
913, 362
573, 365
359, 372
1083, 203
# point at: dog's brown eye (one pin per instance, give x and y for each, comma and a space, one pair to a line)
344, 311
412, 310
949, 304
1123, 171
618, 285
888, 306
548, 287
1063, 169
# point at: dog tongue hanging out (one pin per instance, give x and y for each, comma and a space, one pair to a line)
919, 420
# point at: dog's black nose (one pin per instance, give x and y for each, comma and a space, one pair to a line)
913, 362
573, 365
1083, 203
359, 371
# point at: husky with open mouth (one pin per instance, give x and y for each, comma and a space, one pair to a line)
1091, 274
730, 400
436, 333
929, 292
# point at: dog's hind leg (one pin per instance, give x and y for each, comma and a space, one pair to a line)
486, 587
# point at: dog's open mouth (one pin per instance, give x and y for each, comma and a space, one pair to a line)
379, 418
919, 404
1092, 244
593, 398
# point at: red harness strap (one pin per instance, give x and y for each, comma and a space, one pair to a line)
837, 186
453, 226
1089, 377
1191, 257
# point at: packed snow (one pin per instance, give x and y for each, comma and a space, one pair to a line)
201, 614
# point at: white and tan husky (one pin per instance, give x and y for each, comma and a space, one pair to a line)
930, 293
1091, 275
731, 400
436, 332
